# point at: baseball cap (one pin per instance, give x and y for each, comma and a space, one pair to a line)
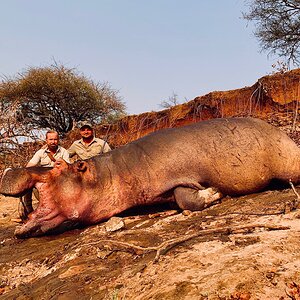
85, 124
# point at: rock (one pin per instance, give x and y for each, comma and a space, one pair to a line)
186, 212
114, 224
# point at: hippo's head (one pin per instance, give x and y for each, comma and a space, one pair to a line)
64, 190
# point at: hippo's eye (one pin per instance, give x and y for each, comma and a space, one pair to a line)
81, 166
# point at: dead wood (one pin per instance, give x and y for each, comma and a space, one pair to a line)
164, 247
294, 190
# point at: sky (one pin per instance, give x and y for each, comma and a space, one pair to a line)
148, 50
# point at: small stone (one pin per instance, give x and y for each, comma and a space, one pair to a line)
17, 220
186, 212
114, 224
152, 216
270, 275
297, 215
102, 254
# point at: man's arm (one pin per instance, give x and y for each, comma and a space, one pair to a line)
35, 160
65, 155
105, 147
72, 150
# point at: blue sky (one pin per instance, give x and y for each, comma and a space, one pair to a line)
146, 49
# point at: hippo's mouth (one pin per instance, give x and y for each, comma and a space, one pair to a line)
12, 193
18, 182
44, 215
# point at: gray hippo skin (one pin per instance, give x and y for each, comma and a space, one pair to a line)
191, 165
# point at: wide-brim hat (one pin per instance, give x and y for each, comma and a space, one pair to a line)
85, 124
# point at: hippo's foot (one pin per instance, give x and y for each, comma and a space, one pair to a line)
192, 199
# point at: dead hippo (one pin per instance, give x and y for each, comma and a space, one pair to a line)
192, 165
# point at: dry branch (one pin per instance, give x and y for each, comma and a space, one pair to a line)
164, 247
294, 190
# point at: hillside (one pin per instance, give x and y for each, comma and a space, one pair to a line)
241, 248
272, 98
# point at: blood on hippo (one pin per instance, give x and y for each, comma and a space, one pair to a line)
193, 165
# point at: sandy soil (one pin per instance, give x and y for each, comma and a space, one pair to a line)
242, 248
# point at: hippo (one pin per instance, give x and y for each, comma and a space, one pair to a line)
194, 166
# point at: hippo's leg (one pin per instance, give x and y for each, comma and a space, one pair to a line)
193, 199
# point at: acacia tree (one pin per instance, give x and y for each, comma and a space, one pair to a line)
277, 26
57, 97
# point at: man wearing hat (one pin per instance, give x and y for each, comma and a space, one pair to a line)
88, 146
45, 157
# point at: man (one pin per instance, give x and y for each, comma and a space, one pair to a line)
45, 157
88, 146
48, 154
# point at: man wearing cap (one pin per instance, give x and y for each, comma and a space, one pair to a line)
88, 146
45, 157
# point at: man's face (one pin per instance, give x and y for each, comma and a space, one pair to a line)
52, 141
86, 132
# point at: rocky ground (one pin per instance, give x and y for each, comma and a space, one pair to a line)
242, 248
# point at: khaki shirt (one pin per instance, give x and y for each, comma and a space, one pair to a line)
41, 158
85, 151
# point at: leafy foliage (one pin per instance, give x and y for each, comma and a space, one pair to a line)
277, 26
17, 143
57, 98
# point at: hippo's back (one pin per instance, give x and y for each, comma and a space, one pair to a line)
237, 155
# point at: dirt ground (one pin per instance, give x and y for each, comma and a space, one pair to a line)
242, 248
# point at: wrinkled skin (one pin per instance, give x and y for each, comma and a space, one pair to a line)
233, 156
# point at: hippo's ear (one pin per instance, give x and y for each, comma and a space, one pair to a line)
81, 166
